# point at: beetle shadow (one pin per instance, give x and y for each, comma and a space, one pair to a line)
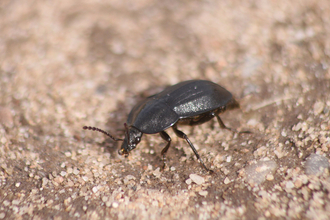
115, 126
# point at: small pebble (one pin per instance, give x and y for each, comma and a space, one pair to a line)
104, 199
318, 108
63, 173
203, 193
226, 181
75, 171
188, 181
197, 179
2, 215
95, 189
157, 172
44, 181
115, 204
289, 185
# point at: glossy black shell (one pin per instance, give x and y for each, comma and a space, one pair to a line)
183, 100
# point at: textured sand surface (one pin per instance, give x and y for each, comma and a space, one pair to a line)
66, 64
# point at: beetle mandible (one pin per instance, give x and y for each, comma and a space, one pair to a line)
190, 102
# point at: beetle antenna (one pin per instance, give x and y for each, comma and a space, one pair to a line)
102, 131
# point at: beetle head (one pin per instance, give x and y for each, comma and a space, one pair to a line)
132, 138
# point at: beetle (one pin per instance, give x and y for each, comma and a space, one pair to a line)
190, 102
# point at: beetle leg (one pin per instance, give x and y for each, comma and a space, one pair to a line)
180, 134
222, 125
167, 138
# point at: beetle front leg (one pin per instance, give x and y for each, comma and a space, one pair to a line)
167, 138
180, 134
222, 125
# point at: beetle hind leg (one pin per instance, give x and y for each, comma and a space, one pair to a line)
167, 138
180, 134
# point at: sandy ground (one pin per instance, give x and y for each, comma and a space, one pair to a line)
65, 64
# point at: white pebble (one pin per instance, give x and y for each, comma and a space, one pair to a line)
95, 189
203, 193
63, 173
197, 179
289, 185
318, 108
115, 204
226, 181
2, 215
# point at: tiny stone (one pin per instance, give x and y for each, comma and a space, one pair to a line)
270, 177
298, 183
188, 181
15, 202
18, 184
318, 108
58, 179
84, 208
203, 193
172, 169
297, 127
63, 173
95, 189
197, 179
68, 154
75, 171
289, 185
115, 205
44, 181
226, 181
157, 172
104, 199
2, 215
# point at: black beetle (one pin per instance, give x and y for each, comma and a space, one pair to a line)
191, 102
